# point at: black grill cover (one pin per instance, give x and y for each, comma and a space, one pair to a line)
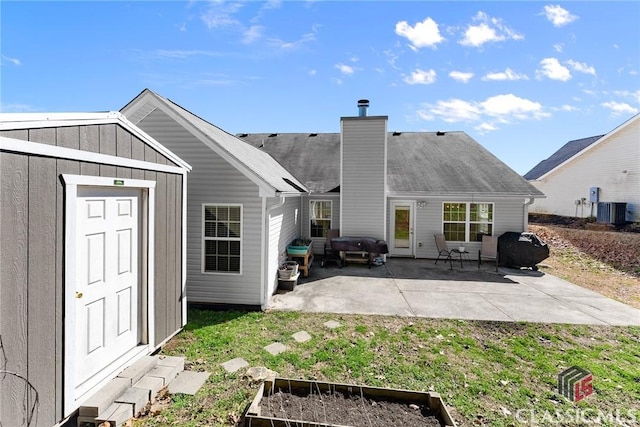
517, 249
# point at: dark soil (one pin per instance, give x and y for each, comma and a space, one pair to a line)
346, 409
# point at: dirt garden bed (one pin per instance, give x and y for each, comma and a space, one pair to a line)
289, 402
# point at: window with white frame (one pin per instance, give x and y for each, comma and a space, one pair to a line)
320, 217
467, 221
222, 238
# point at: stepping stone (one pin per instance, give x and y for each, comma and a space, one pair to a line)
276, 348
302, 336
234, 364
332, 324
188, 382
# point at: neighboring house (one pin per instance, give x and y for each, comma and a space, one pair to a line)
603, 168
402, 187
92, 257
243, 207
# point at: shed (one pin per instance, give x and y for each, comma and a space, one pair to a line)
92, 257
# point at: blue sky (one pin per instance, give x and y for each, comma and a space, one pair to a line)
520, 77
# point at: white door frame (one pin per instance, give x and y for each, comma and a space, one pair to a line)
146, 248
411, 250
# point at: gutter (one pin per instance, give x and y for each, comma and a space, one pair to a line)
264, 250
525, 213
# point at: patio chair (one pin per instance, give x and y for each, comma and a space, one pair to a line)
331, 255
489, 250
443, 250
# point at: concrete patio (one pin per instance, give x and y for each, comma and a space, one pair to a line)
420, 288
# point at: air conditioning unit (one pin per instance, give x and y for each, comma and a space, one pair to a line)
612, 213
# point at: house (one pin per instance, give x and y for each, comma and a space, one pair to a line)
92, 257
402, 187
243, 207
583, 172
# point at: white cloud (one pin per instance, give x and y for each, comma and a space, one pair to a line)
461, 76
507, 74
506, 108
487, 30
347, 70
568, 108
292, 45
559, 47
423, 34
220, 14
581, 67
421, 77
558, 16
313, 72
183, 54
628, 94
252, 34
510, 106
14, 61
551, 68
618, 108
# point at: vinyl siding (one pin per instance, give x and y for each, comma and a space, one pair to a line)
602, 167
284, 226
214, 181
32, 236
364, 173
508, 216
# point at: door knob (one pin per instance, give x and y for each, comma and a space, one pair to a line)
78, 294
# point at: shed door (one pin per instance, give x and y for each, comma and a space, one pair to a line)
108, 234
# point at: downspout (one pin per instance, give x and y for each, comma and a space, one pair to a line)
265, 249
525, 213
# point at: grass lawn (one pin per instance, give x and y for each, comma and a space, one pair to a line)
490, 373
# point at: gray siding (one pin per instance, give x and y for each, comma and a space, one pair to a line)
32, 259
508, 216
214, 181
364, 172
284, 226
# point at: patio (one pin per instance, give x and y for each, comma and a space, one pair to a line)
420, 288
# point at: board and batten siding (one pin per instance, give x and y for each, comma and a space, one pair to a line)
363, 176
32, 257
317, 242
508, 215
603, 166
284, 226
214, 181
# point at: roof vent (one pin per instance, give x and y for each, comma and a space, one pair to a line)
272, 135
397, 133
313, 134
363, 104
441, 133
243, 135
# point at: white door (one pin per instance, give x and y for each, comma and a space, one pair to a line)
107, 281
401, 229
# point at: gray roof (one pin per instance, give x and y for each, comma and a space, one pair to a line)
418, 162
567, 151
256, 164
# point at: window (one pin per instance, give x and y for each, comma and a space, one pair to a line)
467, 222
222, 235
320, 216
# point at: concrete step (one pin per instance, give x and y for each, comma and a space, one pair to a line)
126, 395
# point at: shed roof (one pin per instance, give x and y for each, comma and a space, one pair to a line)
565, 152
256, 164
13, 121
437, 163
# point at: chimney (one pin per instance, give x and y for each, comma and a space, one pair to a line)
363, 104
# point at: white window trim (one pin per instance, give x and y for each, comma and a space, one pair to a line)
467, 221
203, 238
311, 215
